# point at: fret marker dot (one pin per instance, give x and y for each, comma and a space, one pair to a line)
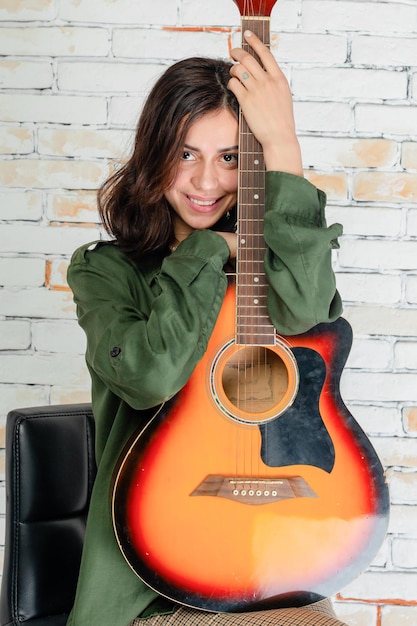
256, 196
243, 241
256, 162
256, 301
256, 279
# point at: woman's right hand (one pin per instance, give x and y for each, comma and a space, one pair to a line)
266, 101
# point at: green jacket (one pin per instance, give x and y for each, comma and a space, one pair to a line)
148, 324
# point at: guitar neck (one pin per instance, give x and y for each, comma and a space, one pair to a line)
253, 326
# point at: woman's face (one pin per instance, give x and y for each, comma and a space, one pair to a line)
205, 186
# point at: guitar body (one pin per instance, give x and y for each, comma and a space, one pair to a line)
222, 507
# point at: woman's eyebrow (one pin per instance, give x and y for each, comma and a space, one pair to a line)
194, 149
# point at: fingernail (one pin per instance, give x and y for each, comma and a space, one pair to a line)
248, 33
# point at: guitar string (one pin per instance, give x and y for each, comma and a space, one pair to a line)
251, 467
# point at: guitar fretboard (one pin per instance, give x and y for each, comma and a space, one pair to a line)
253, 326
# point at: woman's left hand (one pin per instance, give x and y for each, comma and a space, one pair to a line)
266, 102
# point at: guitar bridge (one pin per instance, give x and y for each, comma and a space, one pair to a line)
254, 490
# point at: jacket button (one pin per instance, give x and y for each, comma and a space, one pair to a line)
115, 351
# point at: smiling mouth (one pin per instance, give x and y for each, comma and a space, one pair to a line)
203, 203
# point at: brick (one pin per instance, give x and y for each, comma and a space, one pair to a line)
368, 220
120, 12
411, 289
84, 143
323, 116
370, 288
56, 369
14, 335
22, 272
284, 16
376, 420
16, 140
404, 553
412, 222
405, 355
334, 185
403, 520
46, 240
58, 274
384, 17
396, 615
53, 41
370, 354
376, 320
383, 556
396, 451
414, 85
216, 13
379, 387
378, 254
64, 337
383, 51
308, 48
69, 395
410, 419
169, 43
48, 173
125, 110
382, 586
53, 109
38, 303
331, 152
43, 10
337, 83
403, 487
382, 119
409, 156
72, 207
355, 614
2, 505
25, 205
27, 74
19, 396
111, 77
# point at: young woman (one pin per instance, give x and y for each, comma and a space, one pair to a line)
149, 298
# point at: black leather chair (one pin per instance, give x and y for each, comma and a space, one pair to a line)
50, 470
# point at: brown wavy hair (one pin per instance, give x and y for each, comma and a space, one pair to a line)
131, 202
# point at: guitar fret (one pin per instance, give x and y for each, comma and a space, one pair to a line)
245, 339
248, 297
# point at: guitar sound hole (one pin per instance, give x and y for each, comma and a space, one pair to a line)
255, 379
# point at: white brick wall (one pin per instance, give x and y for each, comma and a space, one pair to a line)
73, 75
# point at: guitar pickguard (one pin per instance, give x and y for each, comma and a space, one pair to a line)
299, 435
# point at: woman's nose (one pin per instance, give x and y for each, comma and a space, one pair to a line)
205, 177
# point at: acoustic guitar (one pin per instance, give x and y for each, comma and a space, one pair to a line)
254, 487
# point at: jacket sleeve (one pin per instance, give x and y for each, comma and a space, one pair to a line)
298, 264
146, 332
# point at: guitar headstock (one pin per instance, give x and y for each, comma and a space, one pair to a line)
253, 8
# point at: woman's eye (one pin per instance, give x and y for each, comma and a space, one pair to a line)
231, 158
186, 156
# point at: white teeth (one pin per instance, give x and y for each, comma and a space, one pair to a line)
203, 202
